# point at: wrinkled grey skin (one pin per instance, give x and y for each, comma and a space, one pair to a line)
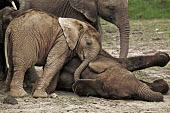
111, 78
7, 14
39, 38
114, 11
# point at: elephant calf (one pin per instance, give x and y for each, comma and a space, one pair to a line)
111, 78
39, 38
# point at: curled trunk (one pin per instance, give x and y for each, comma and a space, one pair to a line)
145, 93
78, 71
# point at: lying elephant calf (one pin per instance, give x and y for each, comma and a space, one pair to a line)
109, 77
39, 38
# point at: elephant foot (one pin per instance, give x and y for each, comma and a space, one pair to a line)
162, 58
40, 94
18, 93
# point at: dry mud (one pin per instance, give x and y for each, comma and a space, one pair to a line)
147, 37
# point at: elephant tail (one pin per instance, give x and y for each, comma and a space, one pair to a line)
7, 35
145, 93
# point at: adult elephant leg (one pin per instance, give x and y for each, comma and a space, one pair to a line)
142, 62
145, 93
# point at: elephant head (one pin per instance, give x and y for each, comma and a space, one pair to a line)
3, 17
114, 11
84, 38
6, 16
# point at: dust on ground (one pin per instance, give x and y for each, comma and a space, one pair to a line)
147, 37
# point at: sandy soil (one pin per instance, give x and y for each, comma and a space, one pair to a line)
147, 37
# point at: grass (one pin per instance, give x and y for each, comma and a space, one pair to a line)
149, 9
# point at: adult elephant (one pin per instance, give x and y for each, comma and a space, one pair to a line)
114, 11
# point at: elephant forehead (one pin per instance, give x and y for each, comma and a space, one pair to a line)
90, 35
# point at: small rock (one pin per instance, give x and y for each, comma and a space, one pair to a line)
26, 100
53, 95
10, 100
159, 32
156, 29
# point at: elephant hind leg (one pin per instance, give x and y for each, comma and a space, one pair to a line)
16, 87
145, 93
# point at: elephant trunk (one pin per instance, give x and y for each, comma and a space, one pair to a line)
122, 22
78, 71
88, 56
145, 93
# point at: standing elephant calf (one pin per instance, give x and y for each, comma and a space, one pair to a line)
38, 38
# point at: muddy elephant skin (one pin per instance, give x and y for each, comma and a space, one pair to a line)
38, 38
113, 11
110, 77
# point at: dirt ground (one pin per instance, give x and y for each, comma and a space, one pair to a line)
147, 37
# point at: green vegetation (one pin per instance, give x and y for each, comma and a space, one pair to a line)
149, 9
70, 101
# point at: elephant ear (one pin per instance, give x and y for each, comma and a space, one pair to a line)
72, 29
87, 7
101, 64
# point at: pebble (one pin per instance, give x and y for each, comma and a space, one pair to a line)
53, 95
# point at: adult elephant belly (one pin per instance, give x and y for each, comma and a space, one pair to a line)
59, 8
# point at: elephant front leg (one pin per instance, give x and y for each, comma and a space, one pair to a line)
55, 61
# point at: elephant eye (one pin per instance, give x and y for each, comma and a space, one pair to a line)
81, 26
88, 42
111, 8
